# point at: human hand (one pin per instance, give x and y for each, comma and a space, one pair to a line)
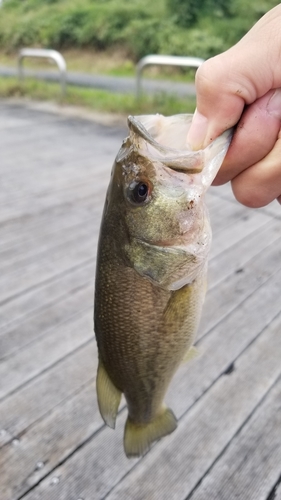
242, 87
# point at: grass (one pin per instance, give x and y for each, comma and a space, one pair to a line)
99, 100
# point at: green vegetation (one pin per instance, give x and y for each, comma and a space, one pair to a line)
182, 27
99, 100
109, 36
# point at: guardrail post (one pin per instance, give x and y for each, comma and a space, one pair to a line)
47, 54
161, 60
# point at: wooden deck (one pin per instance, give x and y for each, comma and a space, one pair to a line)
53, 444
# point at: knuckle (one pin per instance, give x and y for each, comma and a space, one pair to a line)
208, 75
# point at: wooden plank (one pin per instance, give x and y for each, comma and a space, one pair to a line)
212, 200
277, 493
16, 310
47, 267
215, 202
186, 394
257, 264
235, 258
101, 464
69, 144
223, 344
82, 236
225, 213
175, 468
55, 385
48, 246
225, 192
56, 418
16, 281
10, 122
175, 465
219, 303
222, 240
40, 355
23, 206
46, 195
18, 464
46, 319
32, 245
28, 229
35, 244
56, 182
231, 292
252, 462
273, 209
64, 134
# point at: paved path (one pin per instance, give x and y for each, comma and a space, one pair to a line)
53, 444
114, 84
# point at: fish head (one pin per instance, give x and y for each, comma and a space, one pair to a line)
157, 196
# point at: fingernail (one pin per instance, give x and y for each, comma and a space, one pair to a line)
274, 104
197, 131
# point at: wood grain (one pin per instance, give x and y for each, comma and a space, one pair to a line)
53, 442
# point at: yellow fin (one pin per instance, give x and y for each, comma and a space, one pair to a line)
108, 396
176, 309
190, 354
139, 437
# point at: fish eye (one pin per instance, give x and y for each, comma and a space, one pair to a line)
139, 192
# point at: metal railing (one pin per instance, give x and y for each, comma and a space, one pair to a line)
160, 60
47, 54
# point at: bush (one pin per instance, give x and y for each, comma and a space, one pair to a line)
181, 27
185, 12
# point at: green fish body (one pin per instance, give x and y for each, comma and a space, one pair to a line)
151, 271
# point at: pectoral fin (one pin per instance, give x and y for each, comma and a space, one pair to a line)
177, 307
108, 396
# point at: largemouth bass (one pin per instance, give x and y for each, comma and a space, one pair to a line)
151, 271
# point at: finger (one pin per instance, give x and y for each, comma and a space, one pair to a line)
217, 110
260, 184
255, 136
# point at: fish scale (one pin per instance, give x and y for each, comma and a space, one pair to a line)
151, 271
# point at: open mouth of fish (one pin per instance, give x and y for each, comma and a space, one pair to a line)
167, 141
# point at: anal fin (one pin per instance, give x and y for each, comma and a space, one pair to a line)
139, 437
190, 354
108, 396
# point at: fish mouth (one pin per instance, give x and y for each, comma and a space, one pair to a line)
161, 139
182, 159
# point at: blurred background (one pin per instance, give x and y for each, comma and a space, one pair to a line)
108, 37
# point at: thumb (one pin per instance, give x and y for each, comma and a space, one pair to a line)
239, 76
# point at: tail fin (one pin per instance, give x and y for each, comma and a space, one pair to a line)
139, 437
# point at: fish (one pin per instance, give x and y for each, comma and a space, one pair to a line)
151, 270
